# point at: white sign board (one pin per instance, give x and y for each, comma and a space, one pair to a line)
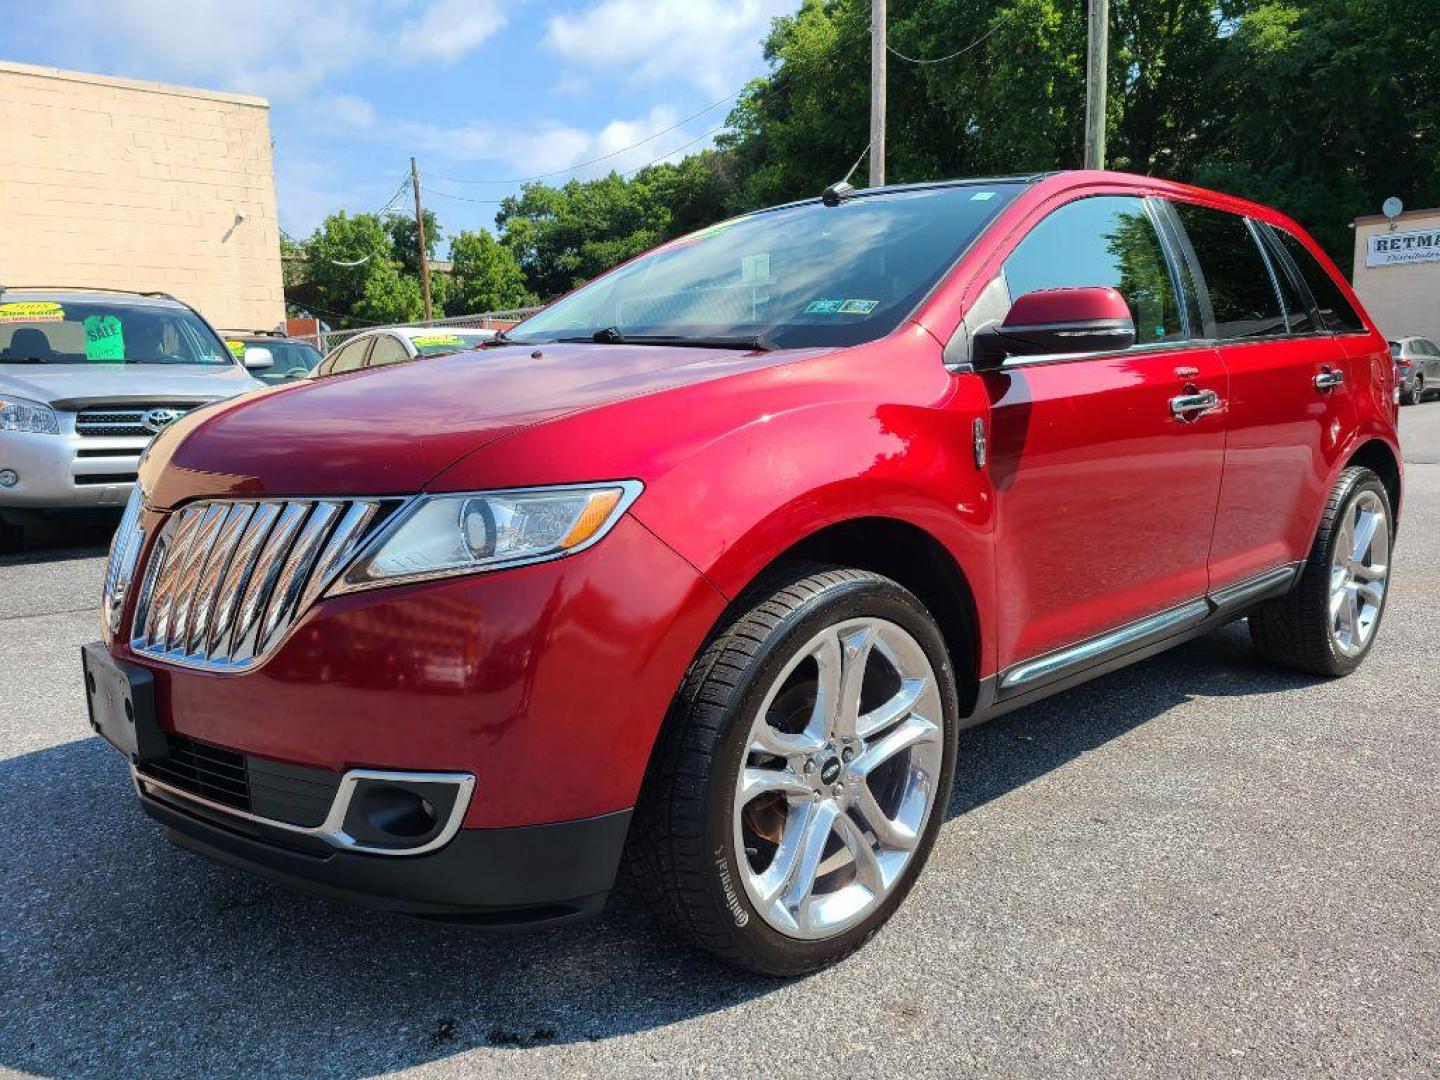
1396, 248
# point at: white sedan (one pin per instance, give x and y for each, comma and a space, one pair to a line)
399, 345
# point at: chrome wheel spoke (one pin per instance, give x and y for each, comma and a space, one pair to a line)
1364, 535
867, 865
896, 709
780, 744
1359, 569
829, 657
855, 649
757, 782
800, 882
889, 833
912, 732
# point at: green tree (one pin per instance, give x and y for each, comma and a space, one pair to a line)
485, 275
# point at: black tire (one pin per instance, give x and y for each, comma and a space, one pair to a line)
1294, 630
1416, 394
12, 537
680, 856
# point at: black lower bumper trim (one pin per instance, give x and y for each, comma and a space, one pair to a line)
525, 876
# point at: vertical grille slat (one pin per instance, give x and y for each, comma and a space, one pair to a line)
231, 529
227, 579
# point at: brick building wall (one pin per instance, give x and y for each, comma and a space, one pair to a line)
137, 185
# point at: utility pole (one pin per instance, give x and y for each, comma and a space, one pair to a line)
420, 231
877, 93
1096, 65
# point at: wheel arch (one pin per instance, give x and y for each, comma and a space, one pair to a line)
1377, 456
911, 556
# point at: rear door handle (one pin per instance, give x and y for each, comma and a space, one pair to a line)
1189, 407
1328, 380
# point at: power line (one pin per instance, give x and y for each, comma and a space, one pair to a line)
958, 52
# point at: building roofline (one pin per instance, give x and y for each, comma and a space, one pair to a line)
139, 85
1380, 219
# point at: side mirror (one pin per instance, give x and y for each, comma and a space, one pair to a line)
257, 358
1058, 322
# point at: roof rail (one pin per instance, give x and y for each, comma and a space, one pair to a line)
153, 293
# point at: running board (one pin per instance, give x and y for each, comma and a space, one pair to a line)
1219, 607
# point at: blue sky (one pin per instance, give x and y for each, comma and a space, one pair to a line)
477, 90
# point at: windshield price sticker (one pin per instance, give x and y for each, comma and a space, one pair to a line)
437, 339
840, 307
31, 311
104, 338
238, 348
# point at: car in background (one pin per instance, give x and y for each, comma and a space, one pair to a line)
400, 345
87, 378
1417, 364
290, 358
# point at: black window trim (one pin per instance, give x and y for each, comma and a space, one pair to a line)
1277, 255
1273, 231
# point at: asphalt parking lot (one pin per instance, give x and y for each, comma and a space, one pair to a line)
1197, 866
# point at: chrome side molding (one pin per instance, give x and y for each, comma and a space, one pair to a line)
1213, 608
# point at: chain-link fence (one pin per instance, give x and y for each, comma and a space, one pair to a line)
486, 320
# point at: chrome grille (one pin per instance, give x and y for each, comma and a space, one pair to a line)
123, 419
227, 578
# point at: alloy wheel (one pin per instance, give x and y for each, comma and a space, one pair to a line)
1359, 572
839, 778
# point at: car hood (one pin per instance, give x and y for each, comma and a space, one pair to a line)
390, 430
74, 386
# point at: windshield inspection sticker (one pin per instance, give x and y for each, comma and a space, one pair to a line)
31, 311
840, 307
981, 196
104, 338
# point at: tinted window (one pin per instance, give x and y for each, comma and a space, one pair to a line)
1337, 314
1242, 294
1103, 241
800, 275
1292, 294
36, 329
1395, 349
388, 350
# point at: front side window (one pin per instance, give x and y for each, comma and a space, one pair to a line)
1337, 314
1102, 241
799, 276
58, 330
1237, 277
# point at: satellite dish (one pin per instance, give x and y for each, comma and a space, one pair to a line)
1392, 208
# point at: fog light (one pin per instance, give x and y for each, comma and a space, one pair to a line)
401, 813
9, 478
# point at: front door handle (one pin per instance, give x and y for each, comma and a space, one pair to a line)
1328, 380
1188, 407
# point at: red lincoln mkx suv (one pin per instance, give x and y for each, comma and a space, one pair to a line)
701, 569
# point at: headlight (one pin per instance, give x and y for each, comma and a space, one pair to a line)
444, 535
17, 414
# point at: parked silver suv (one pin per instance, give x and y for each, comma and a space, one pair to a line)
87, 378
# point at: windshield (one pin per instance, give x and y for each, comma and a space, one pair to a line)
808, 275
449, 341
62, 331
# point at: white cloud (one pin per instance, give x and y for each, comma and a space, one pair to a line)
278, 48
711, 43
537, 149
448, 29
346, 110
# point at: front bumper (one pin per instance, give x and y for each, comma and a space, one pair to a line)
527, 876
68, 471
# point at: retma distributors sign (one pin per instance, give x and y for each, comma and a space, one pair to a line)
1391, 249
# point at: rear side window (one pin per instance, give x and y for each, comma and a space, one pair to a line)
1237, 277
1337, 314
1102, 241
388, 350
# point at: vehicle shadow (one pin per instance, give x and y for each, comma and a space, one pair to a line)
57, 541
120, 954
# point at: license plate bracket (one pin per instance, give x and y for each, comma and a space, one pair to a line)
121, 699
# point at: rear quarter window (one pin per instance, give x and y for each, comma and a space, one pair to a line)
1337, 314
